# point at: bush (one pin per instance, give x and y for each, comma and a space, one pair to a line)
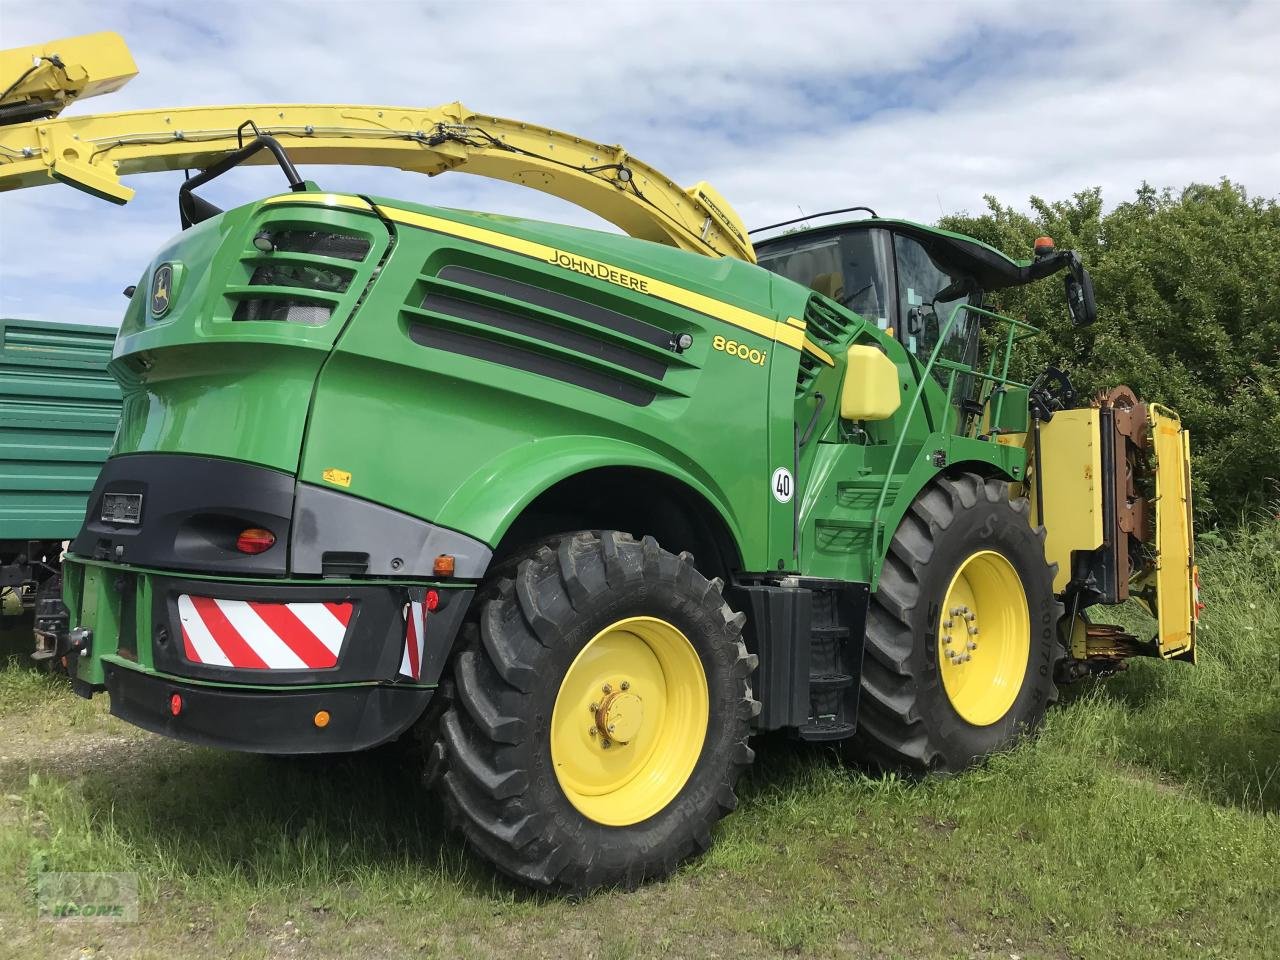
1188, 289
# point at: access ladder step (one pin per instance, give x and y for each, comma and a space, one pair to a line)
824, 730
820, 683
835, 633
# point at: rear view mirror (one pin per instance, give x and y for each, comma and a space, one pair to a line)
1080, 302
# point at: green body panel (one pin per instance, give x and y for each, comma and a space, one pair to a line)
467, 442
845, 527
197, 381
58, 411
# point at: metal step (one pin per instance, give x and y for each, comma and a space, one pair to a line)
822, 683
824, 730
838, 633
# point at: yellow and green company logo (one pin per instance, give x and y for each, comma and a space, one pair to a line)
162, 290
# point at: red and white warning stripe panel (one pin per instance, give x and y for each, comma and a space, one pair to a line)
250, 635
415, 633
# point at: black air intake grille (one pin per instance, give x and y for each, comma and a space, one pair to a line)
823, 326
309, 313
809, 367
322, 243
301, 260
552, 333
328, 279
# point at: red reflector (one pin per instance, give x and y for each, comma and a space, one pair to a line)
433, 601
175, 704
255, 540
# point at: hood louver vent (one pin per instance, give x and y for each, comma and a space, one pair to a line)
824, 326
328, 279
320, 243
302, 278
309, 313
525, 326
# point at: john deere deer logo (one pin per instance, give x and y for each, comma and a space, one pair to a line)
161, 289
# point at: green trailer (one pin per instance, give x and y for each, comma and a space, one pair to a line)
59, 407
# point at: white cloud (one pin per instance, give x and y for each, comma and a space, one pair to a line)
906, 107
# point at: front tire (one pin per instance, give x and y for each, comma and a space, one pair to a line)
596, 716
936, 696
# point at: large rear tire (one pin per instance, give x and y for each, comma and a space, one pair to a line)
596, 714
961, 640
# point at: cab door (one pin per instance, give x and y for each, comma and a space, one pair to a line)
929, 292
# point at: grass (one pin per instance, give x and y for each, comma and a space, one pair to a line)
1145, 821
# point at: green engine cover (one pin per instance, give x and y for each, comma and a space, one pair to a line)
455, 365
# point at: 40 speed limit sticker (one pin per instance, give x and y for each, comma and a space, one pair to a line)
783, 485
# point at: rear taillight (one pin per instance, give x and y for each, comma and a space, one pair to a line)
255, 540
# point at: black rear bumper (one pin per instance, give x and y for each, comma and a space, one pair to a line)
186, 512
265, 721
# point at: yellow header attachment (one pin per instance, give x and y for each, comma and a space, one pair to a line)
40, 80
92, 153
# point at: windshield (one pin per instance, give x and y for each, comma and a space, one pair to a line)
850, 268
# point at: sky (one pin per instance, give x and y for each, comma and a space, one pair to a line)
788, 108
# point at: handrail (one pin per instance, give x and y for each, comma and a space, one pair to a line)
925, 373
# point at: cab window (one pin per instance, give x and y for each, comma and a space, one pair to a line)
928, 294
851, 267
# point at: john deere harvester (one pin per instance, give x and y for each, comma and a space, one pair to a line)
582, 512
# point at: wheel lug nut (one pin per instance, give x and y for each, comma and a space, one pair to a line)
605, 744
946, 638
973, 631
594, 707
592, 732
607, 688
971, 645
612, 727
625, 685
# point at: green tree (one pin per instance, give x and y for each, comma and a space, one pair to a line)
1188, 289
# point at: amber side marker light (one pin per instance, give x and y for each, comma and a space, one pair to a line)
255, 540
444, 565
321, 719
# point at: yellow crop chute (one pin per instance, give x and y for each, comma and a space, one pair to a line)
93, 152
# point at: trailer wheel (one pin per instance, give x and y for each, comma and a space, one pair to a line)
961, 640
596, 714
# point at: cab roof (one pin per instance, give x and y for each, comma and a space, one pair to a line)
992, 269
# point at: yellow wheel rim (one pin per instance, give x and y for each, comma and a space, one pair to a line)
984, 638
629, 721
